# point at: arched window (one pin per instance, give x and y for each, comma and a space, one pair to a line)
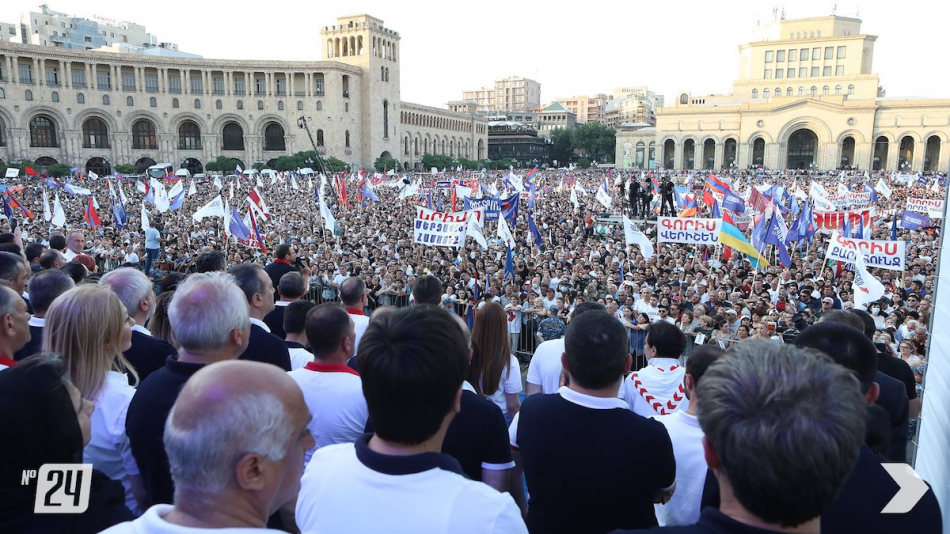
143, 135
319, 105
813, 91
260, 105
233, 136
319, 137
837, 89
385, 119
280, 105
765, 93
851, 89
755, 93
299, 105
54, 96
152, 102
778, 92
274, 137
80, 98
218, 104
825, 90
197, 103
105, 100
240, 104
3, 94
129, 101
43, 132
189, 136
684, 98
28, 95
175, 103
95, 134
801, 91
346, 136
788, 92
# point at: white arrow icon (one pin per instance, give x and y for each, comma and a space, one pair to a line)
912, 488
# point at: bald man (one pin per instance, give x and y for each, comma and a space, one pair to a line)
228, 473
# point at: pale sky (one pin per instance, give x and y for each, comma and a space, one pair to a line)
578, 48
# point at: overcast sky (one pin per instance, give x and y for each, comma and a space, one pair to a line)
586, 47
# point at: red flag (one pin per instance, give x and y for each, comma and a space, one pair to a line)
29, 170
14, 203
91, 216
758, 200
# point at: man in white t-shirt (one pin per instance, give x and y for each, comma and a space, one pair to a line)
234, 483
333, 391
687, 438
295, 330
353, 295
544, 371
397, 480
657, 389
74, 243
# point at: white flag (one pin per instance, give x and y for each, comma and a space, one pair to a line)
59, 216
111, 190
883, 188
504, 233
145, 225
309, 183
516, 182
493, 188
215, 208
191, 188
936, 185
259, 182
603, 196
92, 175
635, 237
574, 198
867, 289
217, 183
95, 204
821, 197
227, 219
231, 196
161, 196
176, 190
293, 182
122, 195
273, 178
580, 190
842, 189
474, 229
238, 169
47, 215
328, 221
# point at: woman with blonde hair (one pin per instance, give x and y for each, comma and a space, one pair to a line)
494, 372
90, 328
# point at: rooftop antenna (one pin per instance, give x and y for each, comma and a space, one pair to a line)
834, 8
783, 12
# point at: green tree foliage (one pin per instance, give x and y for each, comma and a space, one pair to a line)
470, 164
386, 164
259, 166
563, 146
583, 163
124, 168
335, 165
596, 140
58, 170
439, 162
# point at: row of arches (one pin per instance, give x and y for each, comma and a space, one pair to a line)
812, 92
421, 145
345, 46
428, 121
176, 104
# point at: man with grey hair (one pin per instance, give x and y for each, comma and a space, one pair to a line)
14, 326
291, 287
75, 242
263, 346
209, 317
14, 272
761, 390
134, 290
235, 440
44, 287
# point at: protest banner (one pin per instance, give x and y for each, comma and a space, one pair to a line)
492, 206
914, 221
828, 221
931, 206
688, 230
442, 229
889, 255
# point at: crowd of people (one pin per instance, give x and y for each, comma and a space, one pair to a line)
352, 380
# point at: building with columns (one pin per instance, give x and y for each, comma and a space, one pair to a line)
806, 97
93, 109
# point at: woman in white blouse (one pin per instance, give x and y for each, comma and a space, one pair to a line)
494, 372
91, 329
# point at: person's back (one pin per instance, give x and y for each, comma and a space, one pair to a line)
657, 389
591, 465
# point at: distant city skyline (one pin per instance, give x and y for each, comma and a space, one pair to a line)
683, 46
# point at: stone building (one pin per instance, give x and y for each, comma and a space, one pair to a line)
806, 97
94, 109
511, 94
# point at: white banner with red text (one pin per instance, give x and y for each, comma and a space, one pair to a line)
442, 229
889, 255
688, 230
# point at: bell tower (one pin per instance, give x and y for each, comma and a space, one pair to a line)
363, 41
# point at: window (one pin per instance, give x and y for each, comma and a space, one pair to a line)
152, 102
143, 135
815, 72
28, 95
217, 104
174, 84
189, 136
128, 81
151, 83
218, 84
825, 90
792, 55
175, 103
196, 86
197, 103
780, 56
318, 80
779, 74
826, 71
105, 100
816, 54
319, 105
80, 98
129, 101
346, 86
102, 80
259, 88
839, 70
42, 132
260, 105
239, 86
837, 89
765, 93
79, 79
319, 137
851, 89
841, 52
778, 91
233, 137
802, 72
25, 73
346, 136
768, 56
95, 134
755, 93
240, 104
274, 137
801, 91
788, 92
280, 105
52, 76
829, 52
813, 91
768, 74
790, 73
299, 105
803, 54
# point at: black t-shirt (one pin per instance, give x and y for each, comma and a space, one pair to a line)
711, 521
477, 435
898, 369
894, 401
591, 470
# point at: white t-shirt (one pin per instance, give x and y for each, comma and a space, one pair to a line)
334, 396
109, 450
545, 367
299, 358
657, 389
687, 438
153, 522
360, 322
510, 383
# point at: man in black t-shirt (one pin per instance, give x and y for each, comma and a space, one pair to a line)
591, 465
668, 206
634, 195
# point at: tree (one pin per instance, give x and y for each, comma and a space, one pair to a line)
386, 164
124, 168
334, 164
596, 140
583, 163
439, 162
470, 164
221, 164
260, 165
287, 163
58, 170
563, 147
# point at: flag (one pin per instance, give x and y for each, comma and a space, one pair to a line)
846, 228
214, 208
569, 181
122, 196
257, 203
7, 210
118, 212
870, 190
236, 226
732, 201
47, 215
730, 236
509, 266
293, 182
504, 233
176, 190
713, 189
716, 213
894, 226
29, 170
514, 182
191, 188
603, 195
59, 216
634, 236
256, 231
160, 194
821, 197
91, 216
866, 288
52, 183
912, 221
509, 207
759, 201
177, 201
692, 208
574, 198
14, 203
429, 196
679, 194
217, 183
775, 234
532, 176
145, 225
238, 170
369, 193
535, 234
76, 190
532, 197
474, 230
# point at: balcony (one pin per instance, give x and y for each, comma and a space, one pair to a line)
104, 86
239, 92
319, 91
300, 93
260, 93
27, 81
128, 88
175, 90
280, 92
218, 92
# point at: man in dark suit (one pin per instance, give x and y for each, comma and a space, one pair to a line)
134, 290
292, 287
283, 264
264, 346
44, 287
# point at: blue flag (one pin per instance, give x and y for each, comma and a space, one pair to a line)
177, 201
509, 266
533, 193
913, 221
238, 228
894, 226
535, 234
430, 199
716, 212
118, 210
7, 210
869, 189
846, 228
773, 236
732, 201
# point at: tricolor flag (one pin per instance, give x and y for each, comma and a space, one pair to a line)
690, 209
532, 176
257, 203
91, 216
14, 203
257, 232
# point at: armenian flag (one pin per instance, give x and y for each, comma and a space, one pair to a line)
532, 176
